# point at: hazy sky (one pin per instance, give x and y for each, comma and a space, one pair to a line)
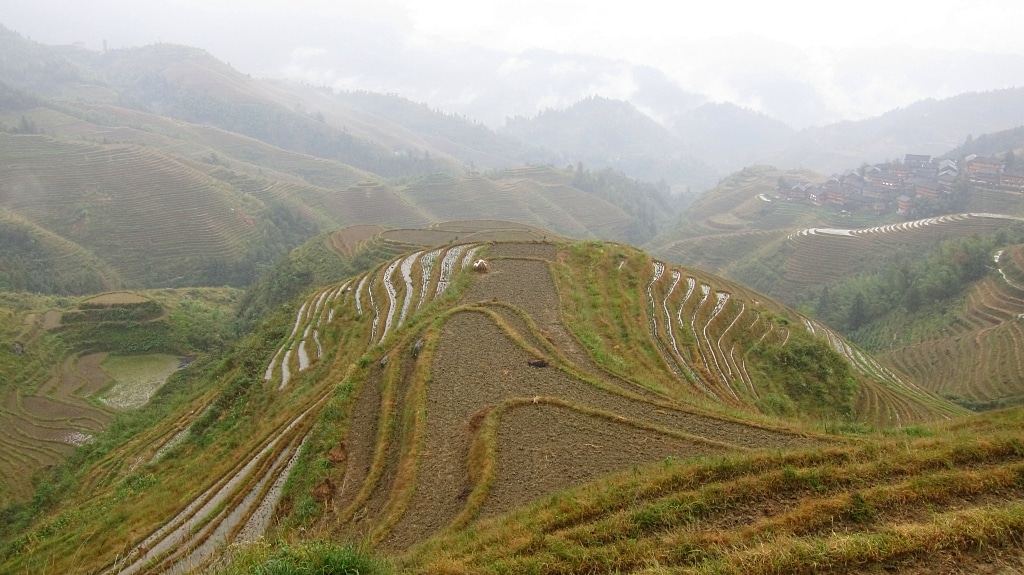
718, 48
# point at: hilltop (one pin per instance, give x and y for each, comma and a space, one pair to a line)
421, 395
458, 361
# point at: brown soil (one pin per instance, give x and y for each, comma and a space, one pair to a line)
39, 437
477, 366
988, 560
359, 442
60, 413
542, 448
346, 241
51, 319
540, 301
38, 426
70, 384
116, 298
89, 369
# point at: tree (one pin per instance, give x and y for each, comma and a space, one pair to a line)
858, 313
825, 304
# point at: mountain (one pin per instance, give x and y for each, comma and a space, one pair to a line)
706, 141
443, 371
411, 399
729, 137
692, 143
990, 145
199, 206
926, 127
210, 175
383, 134
612, 133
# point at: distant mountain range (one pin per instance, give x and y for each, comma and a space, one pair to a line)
661, 133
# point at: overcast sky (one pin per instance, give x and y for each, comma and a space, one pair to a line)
718, 48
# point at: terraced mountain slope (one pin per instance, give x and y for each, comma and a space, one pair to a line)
163, 210
139, 139
962, 349
422, 395
739, 218
810, 258
40, 261
975, 356
209, 207
70, 370
966, 352
947, 502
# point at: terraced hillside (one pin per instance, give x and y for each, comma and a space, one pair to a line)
806, 260
209, 207
422, 395
39, 261
948, 502
163, 210
744, 201
69, 372
740, 219
975, 356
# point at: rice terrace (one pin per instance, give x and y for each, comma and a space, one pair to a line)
423, 397
265, 326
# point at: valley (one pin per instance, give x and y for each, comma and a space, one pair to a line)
253, 325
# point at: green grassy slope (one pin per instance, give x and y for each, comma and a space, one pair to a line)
39, 261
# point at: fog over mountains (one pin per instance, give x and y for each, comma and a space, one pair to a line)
549, 108
515, 286
798, 64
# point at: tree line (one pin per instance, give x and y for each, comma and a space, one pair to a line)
909, 280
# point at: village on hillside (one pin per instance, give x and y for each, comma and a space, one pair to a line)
917, 186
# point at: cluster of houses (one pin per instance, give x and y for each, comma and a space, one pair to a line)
903, 185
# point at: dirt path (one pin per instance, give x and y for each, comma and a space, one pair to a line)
51, 319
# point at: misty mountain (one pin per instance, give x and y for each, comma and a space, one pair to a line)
613, 133
722, 137
28, 65
729, 137
926, 127
996, 143
487, 85
668, 134
384, 134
